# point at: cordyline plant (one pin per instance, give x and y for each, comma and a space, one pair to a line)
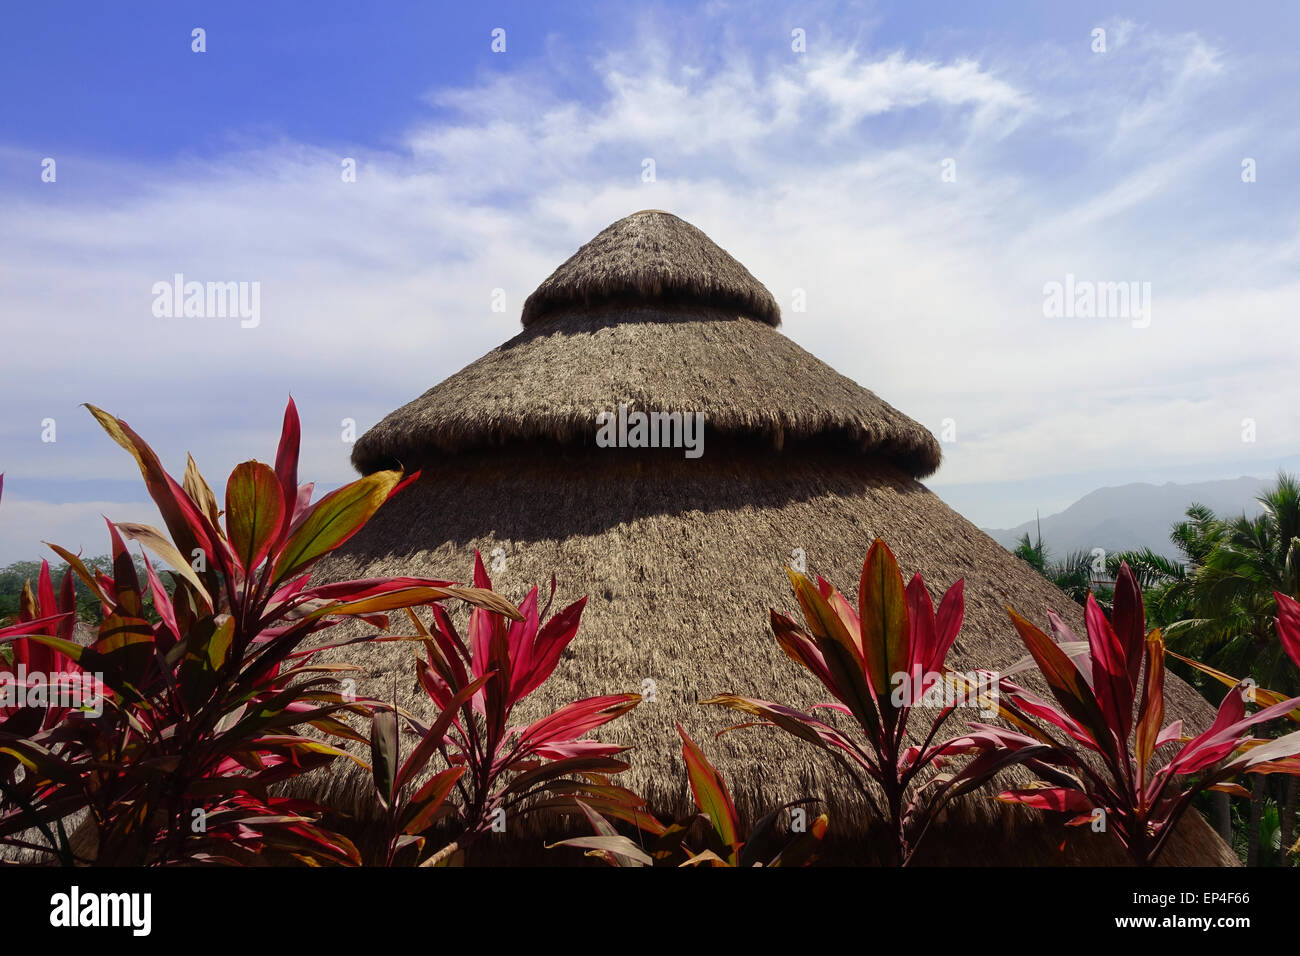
1288, 634
27, 667
871, 658
197, 714
1104, 761
497, 772
725, 842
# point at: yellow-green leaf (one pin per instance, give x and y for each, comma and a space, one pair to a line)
711, 794
1151, 711
254, 512
882, 609
334, 519
199, 491
416, 596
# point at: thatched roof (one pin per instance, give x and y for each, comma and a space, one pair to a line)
690, 344
652, 256
681, 561
551, 382
681, 558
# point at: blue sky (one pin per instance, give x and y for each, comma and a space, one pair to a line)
819, 170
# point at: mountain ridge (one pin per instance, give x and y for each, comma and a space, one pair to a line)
1134, 515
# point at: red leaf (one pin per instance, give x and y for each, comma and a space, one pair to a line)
332, 521
432, 739
481, 579
553, 637
802, 649
286, 467
842, 652
126, 583
1288, 625
1109, 673
1129, 620
360, 588
162, 602
67, 603
188, 528
45, 591
924, 634
522, 639
952, 610
1050, 798
1151, 712
1066, 683
429, 799
1226, 733
573, 720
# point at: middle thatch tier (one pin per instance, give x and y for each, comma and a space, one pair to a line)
551, 381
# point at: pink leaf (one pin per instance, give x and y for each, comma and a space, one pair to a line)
952, 610
286, 468
1050, 798
1288, 625
1109, 673
923, 639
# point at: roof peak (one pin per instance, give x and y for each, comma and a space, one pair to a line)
652, 256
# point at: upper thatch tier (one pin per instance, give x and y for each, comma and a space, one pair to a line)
652, 256
696, 351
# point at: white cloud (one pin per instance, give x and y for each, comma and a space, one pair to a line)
858, 89
928, 292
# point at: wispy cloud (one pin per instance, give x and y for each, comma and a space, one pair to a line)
822, 172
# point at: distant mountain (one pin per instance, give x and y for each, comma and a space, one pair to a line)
1134, 516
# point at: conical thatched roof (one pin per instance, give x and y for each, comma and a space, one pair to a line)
681, 558
689, 343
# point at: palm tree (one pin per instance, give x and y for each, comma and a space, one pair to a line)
1077, 575
1229, 609
1032, 553
1216, 604
1074, 574
1243, 561
1196, 537
1168, 583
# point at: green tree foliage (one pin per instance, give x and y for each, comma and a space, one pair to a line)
15, 575
1217, 606
1074, 574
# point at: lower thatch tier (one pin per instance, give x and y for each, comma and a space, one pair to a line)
681, 560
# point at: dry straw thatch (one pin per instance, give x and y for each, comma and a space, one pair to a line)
652, 255
651, 312
682, 558
552, 380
